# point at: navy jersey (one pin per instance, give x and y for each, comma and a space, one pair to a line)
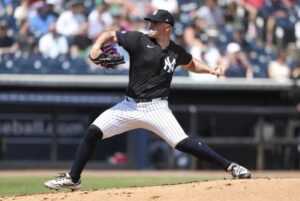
151, 67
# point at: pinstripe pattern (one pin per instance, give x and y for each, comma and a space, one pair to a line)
154, 116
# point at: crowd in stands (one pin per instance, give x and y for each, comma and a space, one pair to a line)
250, 38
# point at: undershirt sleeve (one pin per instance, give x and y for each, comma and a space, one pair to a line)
184, 57
128, 39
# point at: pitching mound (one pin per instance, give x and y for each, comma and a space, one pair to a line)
223, 190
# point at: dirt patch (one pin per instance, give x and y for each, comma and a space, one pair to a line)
260, 189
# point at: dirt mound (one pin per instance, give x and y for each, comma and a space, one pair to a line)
224, 190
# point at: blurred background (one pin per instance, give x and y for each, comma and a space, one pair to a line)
50, 93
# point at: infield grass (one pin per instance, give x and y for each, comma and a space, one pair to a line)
11, 186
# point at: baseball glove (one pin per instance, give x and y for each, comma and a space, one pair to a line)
109, 58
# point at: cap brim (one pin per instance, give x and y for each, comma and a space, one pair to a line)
152, 19
156, 20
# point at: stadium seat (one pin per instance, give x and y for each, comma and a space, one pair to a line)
30, 65
52, 66
78, 66
7, 66
7, 63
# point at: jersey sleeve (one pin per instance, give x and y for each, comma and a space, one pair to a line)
183, 56
128, 39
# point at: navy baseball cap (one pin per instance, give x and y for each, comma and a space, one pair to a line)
161, 16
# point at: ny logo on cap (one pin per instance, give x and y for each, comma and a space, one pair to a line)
169, 66
155, 12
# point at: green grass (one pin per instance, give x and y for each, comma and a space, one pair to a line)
10, 186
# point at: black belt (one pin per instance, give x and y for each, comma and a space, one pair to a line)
143, 100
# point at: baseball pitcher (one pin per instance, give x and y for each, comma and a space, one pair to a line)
153, 59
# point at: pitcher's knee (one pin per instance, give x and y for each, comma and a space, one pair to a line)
188, 144
95, 132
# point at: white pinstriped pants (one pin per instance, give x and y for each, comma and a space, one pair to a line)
154, 116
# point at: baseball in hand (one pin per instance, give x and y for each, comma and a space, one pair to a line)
219, 71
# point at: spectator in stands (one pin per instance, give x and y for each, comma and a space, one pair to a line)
34, 1
55, 7
7, 43
53, 44
296, 70
125, 21
251, 6
246, 12
278, 69
212, 55
6, 7
247, 44
24, 38
208, 53
297, 33
81, 44
137, 8
39, 22
277, 13
169, 5
71, 22
22, 11
140, 25
187, 11
118, 14
193, 37
99, 20
212, 14
194, 34
236, 63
